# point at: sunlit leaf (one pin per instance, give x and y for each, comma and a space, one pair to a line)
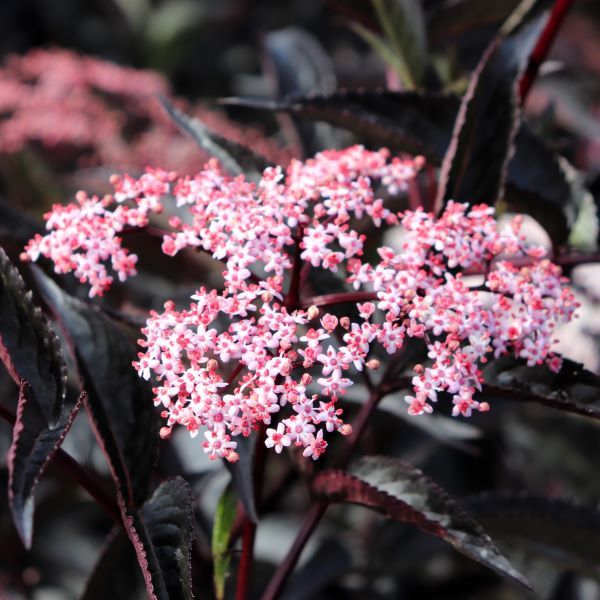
403, 493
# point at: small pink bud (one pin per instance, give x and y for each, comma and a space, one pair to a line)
232, 457
165, 433
306, 379
212, 365
483, 407
345, 322
418, 369
373, 364
345, 429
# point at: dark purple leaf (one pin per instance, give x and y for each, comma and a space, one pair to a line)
242, 474
28, 346
474, 168
538, 185
573, 389
162, 533
403, 121
403, 493
560, 529
35, 442
234, 158
31, 352
119, 402
116, 574
16, 224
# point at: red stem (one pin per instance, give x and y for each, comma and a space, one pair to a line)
544, 43
317, 510
565, 260
244, 577
312, 519
245, 568
328, 299
293, 295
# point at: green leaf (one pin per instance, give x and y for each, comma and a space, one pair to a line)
119, 403
474, 168
384, 49
224, 518
404, 25
403, 493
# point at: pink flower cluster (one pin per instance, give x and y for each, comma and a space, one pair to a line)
85, 109
257, 347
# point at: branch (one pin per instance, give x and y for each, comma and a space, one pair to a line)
244, 578
544, 43
317, 510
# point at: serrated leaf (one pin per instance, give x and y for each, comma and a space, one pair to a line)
162, 533
224, 519
34, 444
403, 493
242, 473
557, 528
119, 403
404, 25
573, 389
31, 352
404, 121
474, 168
28, 346
233, 157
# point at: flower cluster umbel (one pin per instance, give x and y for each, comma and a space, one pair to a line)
239, 355
80, 107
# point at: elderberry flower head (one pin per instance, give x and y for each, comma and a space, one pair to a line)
257, 350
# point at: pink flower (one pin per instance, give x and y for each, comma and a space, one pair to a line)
277, 438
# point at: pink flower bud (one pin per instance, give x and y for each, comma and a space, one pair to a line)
312, 312
345, 429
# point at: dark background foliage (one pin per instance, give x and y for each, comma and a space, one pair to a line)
527, 471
